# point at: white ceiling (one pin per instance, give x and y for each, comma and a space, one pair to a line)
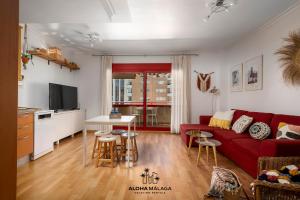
146, 26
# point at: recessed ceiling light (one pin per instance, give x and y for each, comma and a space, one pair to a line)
54, 26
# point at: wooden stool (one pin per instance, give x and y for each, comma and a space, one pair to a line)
208, 143
107, 151
97, 135
133, 150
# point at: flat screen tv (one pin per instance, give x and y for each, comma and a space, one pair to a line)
62, 97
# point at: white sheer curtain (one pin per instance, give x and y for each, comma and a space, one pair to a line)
181, 92
105, 88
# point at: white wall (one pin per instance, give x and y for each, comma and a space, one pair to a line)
276, 96
34, 90
89, 83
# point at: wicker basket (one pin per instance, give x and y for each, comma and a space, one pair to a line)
236, 195
276, 191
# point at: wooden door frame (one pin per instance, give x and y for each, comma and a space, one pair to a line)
9, 20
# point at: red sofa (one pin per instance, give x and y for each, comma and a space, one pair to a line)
242, 148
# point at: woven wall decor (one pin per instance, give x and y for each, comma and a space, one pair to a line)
203, 81
289, 55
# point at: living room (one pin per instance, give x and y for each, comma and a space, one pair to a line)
150, 100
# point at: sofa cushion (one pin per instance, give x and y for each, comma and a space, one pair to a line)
288, 131
222, 119
259, 131
242, 124
237, 114
228, 135
248, 146
289, 119
261, 117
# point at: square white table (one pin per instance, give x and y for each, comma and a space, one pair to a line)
105, 120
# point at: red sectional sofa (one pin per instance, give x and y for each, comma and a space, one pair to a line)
242, 148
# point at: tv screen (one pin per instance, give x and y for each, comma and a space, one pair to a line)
62, 97
69, 97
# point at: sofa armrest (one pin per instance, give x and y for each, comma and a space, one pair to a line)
204, 119
273, 147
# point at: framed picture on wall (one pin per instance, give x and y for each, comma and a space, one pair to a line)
253, 73
236, 78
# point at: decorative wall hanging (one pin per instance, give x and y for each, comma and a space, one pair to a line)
253, 73
25, 55
236, 78
203, 81
289, 55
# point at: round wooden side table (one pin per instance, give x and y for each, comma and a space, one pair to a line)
208, 143
199, 134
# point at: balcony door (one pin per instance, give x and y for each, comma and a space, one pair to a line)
144, 90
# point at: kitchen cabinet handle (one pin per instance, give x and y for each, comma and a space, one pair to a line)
23, 127
24, 116
24, 138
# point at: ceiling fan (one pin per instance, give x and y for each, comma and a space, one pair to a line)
91, 37
217, 6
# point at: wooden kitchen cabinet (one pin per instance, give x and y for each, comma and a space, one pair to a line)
25, 134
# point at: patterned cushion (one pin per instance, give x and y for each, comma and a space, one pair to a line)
220, 179
242, 124
260, 130
222, 119
288, 131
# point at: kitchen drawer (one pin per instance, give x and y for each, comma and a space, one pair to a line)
25, 119
25, 145
25, 129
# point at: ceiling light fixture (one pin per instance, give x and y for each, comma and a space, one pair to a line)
218, 6
91, 37
54, 26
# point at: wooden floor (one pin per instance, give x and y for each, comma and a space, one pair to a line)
61, 175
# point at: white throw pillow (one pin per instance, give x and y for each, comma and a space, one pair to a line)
242, 124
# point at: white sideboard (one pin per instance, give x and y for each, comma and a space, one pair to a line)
67, 123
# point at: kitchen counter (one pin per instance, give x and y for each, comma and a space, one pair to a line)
23, 110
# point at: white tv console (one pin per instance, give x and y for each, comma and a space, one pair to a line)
67, 123
50, 127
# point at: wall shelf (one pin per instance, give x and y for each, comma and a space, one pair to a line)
71, 66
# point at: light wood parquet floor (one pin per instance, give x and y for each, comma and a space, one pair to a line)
61, 175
